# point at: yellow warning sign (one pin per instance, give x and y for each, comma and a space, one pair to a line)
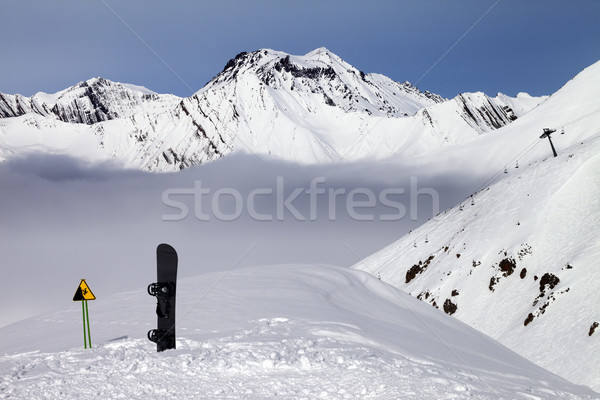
83, 292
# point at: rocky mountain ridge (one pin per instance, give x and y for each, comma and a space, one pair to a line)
310, 109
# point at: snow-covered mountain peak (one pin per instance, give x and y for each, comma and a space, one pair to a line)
262, 62
321, 51
522, 103
337, 83
241, 62
94, 85
521, 95
327, 57
87, 102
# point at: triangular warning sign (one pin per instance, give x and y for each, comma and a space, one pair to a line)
83, 292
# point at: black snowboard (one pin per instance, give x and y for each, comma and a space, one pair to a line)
164, 290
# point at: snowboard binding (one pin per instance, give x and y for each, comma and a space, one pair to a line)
163, 291
164, 340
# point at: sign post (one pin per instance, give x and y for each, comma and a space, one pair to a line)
83, 294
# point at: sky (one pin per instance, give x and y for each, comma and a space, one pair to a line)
446, 47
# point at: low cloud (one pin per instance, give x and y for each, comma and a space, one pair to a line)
64, 220
59, 167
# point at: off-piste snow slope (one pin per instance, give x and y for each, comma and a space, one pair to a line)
314, 108
285, 331
519, 259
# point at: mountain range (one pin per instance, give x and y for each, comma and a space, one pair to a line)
309, 109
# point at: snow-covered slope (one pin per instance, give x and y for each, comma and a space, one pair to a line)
310, 109
291, 331
518, 259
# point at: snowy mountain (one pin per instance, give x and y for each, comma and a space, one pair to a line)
291, 331
518, 259
88, 102
310, 109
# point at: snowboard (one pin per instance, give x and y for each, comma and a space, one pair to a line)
164, 289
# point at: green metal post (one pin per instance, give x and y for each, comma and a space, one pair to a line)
84, 338
87, 314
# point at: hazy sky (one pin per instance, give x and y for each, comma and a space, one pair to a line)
177, 46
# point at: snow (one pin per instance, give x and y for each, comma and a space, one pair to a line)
137, 88
544, 217
289, 331
522, 103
